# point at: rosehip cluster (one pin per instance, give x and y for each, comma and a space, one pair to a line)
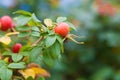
5, 23
16, 48
62, 29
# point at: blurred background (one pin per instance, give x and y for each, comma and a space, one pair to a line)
97, 20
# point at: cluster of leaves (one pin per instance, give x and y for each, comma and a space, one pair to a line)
42, 45
99, 58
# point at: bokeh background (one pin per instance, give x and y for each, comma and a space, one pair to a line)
97, 20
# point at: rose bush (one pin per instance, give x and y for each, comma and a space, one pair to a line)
31, 43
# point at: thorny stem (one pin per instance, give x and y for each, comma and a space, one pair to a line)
36, 42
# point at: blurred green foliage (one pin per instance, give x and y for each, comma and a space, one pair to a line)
99, 57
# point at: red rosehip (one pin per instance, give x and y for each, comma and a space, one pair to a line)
16, 48
6, 23
0, 23
13, 25
62, 29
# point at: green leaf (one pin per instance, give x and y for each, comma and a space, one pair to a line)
50, 40
22, 20
24, 53
31, 23
35, 53
22, 12
16, 57
35, 21
23, 34
5, 74
35, 18
72, 27
30, 78
41, 78
45, 29
61, 19
23, 28
20, 65
60, 40
55, 51
51, 33
47, 59
7, 53
35, 29
36, 34
48, 22
2, 63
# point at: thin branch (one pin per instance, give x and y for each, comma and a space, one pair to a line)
13, 29
36, 42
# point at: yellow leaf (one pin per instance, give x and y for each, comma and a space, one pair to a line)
41, 72
34, 72
5, 40
48, 22
6, 59
27, 73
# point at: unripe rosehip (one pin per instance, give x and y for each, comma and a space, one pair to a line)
6, 23
16, 48
62, 29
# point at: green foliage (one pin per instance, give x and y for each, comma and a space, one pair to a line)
97, 59
50, 40
72, 27
23, 28
16, 57
61, 19
19, 65
22, 12
5, 73
35, 53
41, 78
2, 63
44, 47
22, 20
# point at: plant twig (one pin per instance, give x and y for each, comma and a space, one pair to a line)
12, 33
36, 42
13, 29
